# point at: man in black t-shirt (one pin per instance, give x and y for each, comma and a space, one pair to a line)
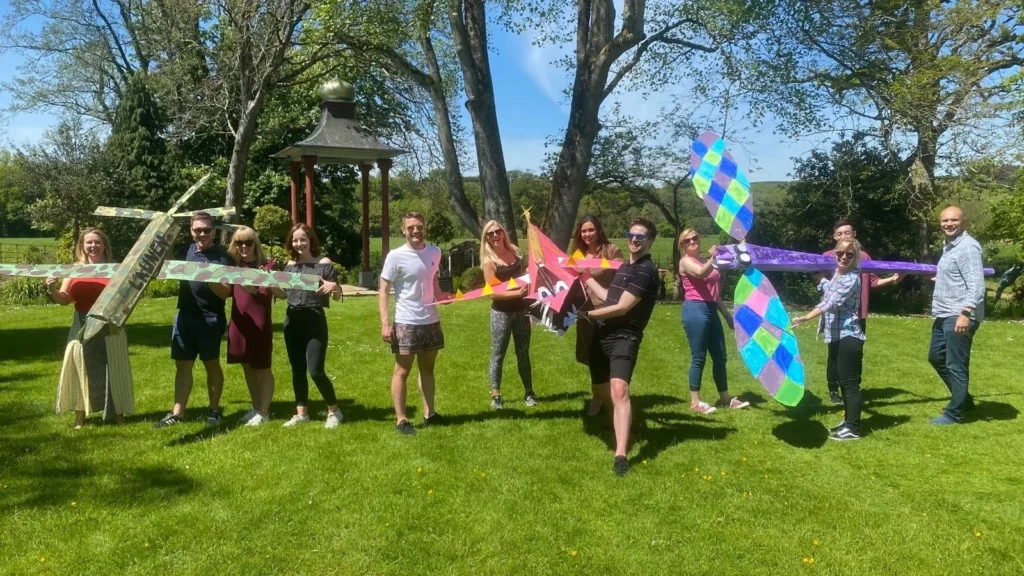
199, 326
621, 321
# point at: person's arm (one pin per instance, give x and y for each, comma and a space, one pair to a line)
219, 290
724, 311
328, 284
972, 270
596, 289
694, 269
877, 282
846, 287
626, 303
383, 296
513, 294
280, 292
60, 296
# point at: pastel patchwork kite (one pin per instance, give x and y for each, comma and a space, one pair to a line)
764, 337
722, 185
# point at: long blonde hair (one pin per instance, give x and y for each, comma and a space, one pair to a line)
246, 233
80, 256
683, 234
854, 246
486, 252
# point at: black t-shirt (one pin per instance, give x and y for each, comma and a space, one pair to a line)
504, 274
196, 297
641, 280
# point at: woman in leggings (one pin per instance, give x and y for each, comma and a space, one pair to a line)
500, 260
305, 324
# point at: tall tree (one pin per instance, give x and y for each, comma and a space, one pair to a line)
137, 152
929, 73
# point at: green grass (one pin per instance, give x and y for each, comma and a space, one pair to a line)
523, 491
41, 242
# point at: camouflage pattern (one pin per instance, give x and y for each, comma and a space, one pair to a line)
222, 212
188, 194
204, 272
126, 212
59, 270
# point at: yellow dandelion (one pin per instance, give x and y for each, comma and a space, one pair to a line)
977, 534
766, 476
430, 492
420, 469
573, 553
810, 560
744, 459
695, 470
73, 504
806, 560
645, 462
722, 473
816, 542
41, 559
483, 474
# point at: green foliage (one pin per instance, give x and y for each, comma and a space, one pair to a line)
441, 230
15, 199
1007, 223
278, 254
471, 279
272, 224
66, 248
23, 291
37, 255
163, 289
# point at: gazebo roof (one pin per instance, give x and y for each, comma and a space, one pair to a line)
339, 138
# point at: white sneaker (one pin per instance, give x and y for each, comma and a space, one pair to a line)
333, 419
248, 415
296, 420
257, 419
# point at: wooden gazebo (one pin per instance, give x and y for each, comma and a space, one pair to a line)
339, 139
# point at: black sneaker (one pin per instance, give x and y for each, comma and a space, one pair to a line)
835, 397
405, 428
843, 434
496, 402
214, 418
434, 419
620, 466
169, 420
838, 427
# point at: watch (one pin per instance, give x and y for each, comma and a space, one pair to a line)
967, 312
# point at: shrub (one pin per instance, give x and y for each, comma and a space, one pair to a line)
277, 255
162, 289
272, 223
37, 255
471, 279
23, 291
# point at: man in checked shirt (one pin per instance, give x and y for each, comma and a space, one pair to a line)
958, 305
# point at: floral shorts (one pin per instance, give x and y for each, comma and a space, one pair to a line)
411, 338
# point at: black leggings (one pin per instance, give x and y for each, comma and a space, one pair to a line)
849, 355
305, 337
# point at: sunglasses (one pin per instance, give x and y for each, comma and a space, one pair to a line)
202, 231
635, 237
844, 255
493, 233
692, 240
415, 228
245, 243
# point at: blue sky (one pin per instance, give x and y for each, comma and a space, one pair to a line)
531, 108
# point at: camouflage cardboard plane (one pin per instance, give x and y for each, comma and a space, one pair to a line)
145, 261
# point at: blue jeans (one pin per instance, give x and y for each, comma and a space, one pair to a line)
704, 331
950, 355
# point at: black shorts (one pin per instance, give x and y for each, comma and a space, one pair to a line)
613, 355
196, 336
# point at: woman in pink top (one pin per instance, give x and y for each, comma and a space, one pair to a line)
702, 303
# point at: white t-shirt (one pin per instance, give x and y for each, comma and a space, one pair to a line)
412, 273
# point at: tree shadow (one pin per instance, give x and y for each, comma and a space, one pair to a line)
670, 430
988, 411
27, 344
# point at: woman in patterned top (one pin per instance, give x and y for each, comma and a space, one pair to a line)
305, 323
500, 259
251, 332
839, 310
93, 247
590, 240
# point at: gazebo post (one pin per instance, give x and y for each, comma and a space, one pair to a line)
385, 233
309, 163
294, 167
365, 274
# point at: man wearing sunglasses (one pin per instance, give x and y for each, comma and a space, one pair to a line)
843, 230
199, 326
958, 305
620, 324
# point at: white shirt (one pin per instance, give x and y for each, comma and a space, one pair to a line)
412, 273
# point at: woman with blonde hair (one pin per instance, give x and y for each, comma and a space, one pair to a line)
839, 310
702, 303
107, 374
590, 240
500, 260
251, 332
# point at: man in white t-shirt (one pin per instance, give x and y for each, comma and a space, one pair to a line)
416, 333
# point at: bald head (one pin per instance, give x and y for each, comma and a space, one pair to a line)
952, 222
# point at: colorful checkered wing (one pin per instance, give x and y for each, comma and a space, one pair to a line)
764, 337
722, 185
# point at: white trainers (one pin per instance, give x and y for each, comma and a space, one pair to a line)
333, 419
248, 415
257, 419
296, 420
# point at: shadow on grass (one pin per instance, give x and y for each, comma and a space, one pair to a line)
987, 411
800, 431
27, 344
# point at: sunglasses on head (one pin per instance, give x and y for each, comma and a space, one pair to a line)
844, 255
636, 237
493, 233
245, 243
202, 231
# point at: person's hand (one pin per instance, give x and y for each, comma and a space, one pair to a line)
386, 333
712, 251
326, 287
730, 322
895, 278
51, 282
442, 296
248, 289
799, 320
962, 323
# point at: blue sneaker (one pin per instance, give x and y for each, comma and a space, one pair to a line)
942, 421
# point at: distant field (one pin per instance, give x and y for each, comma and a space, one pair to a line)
42, 242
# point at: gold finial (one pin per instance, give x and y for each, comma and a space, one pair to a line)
336, 89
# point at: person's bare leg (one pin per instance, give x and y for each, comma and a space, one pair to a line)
426, 380
79, 419
252, 382
595, 406
182, 385
266, 386
403, 364
602, 396
623, 414
214, 382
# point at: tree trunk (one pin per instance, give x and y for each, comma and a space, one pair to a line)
446, 138
922, 182
469, 33
245, 135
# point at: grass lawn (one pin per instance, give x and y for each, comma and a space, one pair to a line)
523, 491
